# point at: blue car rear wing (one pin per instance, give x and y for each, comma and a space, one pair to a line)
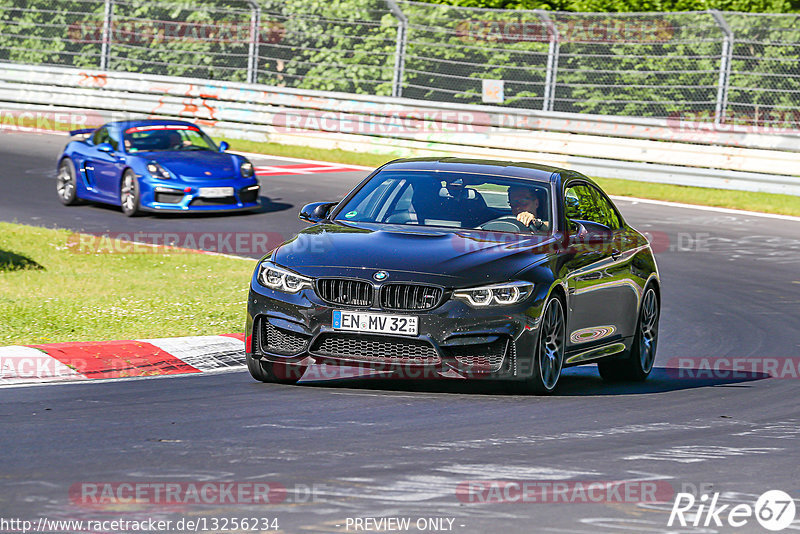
85, 131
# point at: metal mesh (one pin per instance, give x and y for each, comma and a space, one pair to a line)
45, 33
765, 70
363, 347
328, 46
192, 39
637, 64
280, 341
480, 357
738, 68
450, 50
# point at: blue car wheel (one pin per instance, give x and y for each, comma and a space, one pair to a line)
65, 183
129, 194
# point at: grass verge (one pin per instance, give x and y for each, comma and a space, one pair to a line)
50, 293
724, 198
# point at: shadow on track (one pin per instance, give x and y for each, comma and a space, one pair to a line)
267, 206
575, 382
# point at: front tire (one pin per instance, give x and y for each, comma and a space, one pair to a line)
66, 183
129, 194
549, 356
638, 363
274, 372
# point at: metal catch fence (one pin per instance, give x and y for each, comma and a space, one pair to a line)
705, 66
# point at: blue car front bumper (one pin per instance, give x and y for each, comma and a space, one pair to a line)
178, 197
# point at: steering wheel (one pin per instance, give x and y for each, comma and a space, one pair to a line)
507, 223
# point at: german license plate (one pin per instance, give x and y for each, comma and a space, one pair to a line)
216, 192
375, 322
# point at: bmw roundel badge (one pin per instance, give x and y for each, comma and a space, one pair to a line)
380, 276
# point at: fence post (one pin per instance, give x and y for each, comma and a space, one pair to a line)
255, 37
400, 48
552, 61
105, 47
724, 67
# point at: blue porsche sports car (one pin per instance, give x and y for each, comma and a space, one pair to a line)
155, 165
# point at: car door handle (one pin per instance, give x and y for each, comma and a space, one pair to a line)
615, 254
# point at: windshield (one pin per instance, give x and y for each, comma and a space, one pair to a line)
166, 137
455, 200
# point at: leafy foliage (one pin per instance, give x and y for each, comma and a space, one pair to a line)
620, 62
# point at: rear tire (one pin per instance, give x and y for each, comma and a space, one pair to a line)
66, 183
549, 353
273, 372
129, 194
638, 363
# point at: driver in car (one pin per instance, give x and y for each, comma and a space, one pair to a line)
524, 205
176, 141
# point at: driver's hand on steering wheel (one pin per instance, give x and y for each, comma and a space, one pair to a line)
527, 218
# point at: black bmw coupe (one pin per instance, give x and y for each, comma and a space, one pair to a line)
459, 268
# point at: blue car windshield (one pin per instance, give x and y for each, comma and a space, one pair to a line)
166, 137
455, 200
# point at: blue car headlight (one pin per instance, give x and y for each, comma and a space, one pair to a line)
246, 168
280, 279
157, 171
496, 294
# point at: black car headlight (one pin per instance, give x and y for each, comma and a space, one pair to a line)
496, 294
155, 169
246, 168
280, 279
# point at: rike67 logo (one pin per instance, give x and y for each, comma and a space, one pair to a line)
774, 510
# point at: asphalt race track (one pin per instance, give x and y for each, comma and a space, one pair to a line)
378, 449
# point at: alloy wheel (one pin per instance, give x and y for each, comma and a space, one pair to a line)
551, 344
648, 331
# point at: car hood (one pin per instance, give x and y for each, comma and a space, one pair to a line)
196, 164
450, 257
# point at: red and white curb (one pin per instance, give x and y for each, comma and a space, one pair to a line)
57, 362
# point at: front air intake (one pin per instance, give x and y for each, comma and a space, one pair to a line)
345, 291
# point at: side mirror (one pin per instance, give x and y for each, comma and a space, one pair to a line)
589, 232
316, 211
223, 146
105, 147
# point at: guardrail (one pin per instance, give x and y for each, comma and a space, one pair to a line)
666, 151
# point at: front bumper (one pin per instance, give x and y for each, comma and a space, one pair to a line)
172, 197
454, 340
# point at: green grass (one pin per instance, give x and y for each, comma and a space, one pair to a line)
302, 152
49, 292
725, 198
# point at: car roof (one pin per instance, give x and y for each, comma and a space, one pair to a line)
124, 125
511, 169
